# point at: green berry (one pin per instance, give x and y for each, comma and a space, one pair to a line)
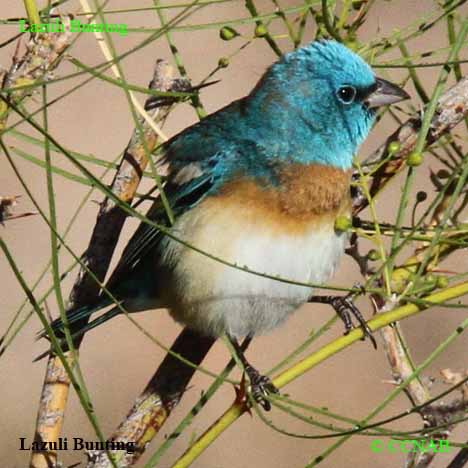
421, 196
430, 278
442, 282
373, 255
260, 31
343, 223
443, 174
393, 147
414, 159
223, 62
352, 44
227, 33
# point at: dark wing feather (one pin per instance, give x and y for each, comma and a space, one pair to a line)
147, 236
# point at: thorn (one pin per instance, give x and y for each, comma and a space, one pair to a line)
203, 85
241, 395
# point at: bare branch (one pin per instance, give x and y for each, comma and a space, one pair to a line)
452, 109
6, 209
159, 398
97, 258
42, 56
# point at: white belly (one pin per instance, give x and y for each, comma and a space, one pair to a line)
214, 298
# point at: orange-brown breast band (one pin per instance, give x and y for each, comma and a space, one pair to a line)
307, 195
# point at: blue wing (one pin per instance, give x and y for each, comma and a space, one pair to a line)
198, 160
147, 237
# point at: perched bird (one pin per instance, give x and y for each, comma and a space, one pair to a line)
257, 184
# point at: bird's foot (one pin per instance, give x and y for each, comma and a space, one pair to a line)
346, 309
261, 387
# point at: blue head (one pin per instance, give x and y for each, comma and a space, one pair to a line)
317, 104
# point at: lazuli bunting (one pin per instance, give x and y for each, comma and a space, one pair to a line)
257, 184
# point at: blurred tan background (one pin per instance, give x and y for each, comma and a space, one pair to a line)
117, 359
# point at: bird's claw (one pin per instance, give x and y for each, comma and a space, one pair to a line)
345, 308
261, 387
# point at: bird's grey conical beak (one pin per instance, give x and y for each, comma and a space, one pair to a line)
385, 93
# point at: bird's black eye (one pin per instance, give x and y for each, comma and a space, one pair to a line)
346, 94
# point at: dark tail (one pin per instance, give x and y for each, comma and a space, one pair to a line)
78, 324
74, 316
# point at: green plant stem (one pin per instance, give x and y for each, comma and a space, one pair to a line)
302, 25
404, 200
428, 114
300, 349
188, 419
397, 390
381, 320
53, 237
32, 12
249, 4
328, 23
431, 108
413, 75
82, 395
292, 35
344, 14
196, 103
441, 226
380, 244
136, 119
